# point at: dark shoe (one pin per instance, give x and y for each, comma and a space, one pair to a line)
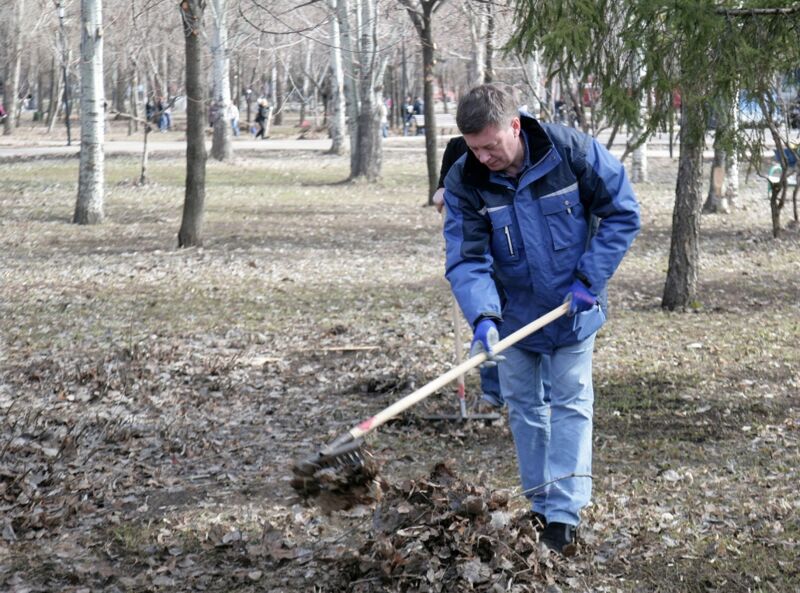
538, 521
561, 538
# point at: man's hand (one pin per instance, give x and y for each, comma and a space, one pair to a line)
438, 199
580, 298
484, 339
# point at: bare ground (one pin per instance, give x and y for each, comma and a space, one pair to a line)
152, 400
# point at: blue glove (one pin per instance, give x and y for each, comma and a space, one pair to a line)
484, 339
580, 298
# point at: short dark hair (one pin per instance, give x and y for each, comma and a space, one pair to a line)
486, 105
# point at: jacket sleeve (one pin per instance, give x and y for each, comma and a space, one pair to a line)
468, 265
608, 195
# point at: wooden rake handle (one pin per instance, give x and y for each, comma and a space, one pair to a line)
400, 406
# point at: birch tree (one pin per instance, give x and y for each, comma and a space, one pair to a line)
89, 205
337, 122
190, 233
11, 87
221, 144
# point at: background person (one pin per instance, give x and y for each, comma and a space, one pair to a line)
232, 117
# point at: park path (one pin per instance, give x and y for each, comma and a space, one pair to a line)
27, 148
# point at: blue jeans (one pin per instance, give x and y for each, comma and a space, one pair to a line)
553, 438
490, 386
490, 383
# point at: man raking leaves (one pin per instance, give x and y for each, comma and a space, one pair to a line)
549, 211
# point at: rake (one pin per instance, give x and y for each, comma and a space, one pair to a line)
346, 451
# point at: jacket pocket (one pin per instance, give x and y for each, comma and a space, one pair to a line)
563, 213
505, 244
588, 322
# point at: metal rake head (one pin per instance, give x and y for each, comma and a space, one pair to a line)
344, 452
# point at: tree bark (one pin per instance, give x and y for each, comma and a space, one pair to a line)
715, 200
423, 23
368, 149
55, 91
280, 91
189, 234
11, 88
428, 62
475, 68
221, 143
350, 88
684, 254
89, 205
337, 120
639, 171
488, 72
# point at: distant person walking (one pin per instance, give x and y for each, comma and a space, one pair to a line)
232, 116
419, 109
261, 118
165, 119
408, 115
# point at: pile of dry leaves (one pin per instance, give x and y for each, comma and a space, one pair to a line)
442, 534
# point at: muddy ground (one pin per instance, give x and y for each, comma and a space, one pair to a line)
152, 400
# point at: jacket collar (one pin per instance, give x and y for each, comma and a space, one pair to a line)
539, 143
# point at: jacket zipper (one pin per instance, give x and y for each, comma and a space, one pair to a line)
508, 239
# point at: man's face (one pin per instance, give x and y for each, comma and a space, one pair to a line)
496, 147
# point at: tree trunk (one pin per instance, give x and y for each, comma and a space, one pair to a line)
350, 88
732, 179
62, 37
221, 144
194, 199
55, 91
280, 91
732, 162
305, 85
143, 180
11, 88
639, 154
488, 72
133, 77
337, 120
368, 149
120, 87
89, 205
430, 116
684, 254
477, 63
715, 200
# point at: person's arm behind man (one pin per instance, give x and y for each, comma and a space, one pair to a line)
452, 152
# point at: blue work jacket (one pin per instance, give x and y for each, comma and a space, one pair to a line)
571, 214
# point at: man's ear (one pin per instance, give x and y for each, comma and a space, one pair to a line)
516, 126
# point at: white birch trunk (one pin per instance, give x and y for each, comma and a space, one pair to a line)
639, 173
221, 144
732, 164
477, 35
89, 205
11, 88
350, 88
732, 179
338, 121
